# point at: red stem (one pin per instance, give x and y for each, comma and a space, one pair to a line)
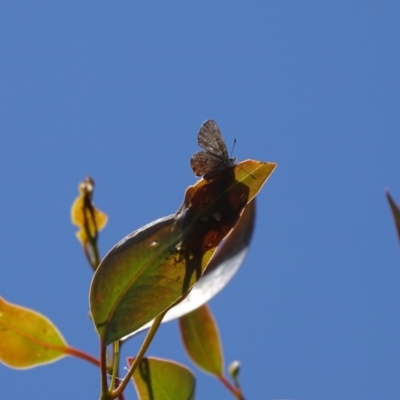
84, 356
235, 391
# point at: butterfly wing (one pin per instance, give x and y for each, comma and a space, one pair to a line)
203, 163
211, 140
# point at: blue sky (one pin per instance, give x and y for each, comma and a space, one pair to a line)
119, 90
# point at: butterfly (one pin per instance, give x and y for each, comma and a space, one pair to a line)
215, 157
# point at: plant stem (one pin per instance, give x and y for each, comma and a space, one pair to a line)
235, 391
105, 394
84, 356
145, 345
115, 364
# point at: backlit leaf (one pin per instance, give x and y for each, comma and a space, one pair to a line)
157, 379
200, 337
27, 338
220, 270
154, 267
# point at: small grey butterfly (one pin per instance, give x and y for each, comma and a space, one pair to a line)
215, 157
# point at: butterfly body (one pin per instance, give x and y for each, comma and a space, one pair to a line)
215, 157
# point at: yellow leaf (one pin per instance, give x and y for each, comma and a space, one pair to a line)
85, 215
27, 338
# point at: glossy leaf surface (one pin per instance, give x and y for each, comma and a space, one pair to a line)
27, 338
154, 267
220, 270
157, 379
200, 337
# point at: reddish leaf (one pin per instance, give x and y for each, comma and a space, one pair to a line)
396, 213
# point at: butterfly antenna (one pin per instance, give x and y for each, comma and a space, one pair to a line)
234, 144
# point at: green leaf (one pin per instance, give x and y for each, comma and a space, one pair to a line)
220, 270
156, 266
27, 338
200, 337
396, 213
157, 379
